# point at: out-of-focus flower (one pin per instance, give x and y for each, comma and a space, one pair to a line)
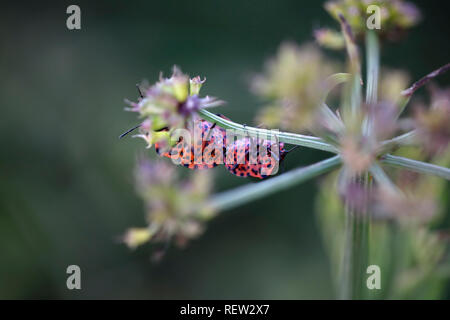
403, 206
168, 105
294, 82
395, 15
419, 197
392, 82
355, 196
433, 123
134, 237
175, 208
356, 154
196, 84
413, 203
383, 121
359, 148
329, 38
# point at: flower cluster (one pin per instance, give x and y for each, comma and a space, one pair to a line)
175, 208
417, 195
298, 82
433, 123
395, 17
168, 105
392, 82
293, 83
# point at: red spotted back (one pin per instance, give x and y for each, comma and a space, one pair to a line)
209, 149
260, 162
205, 151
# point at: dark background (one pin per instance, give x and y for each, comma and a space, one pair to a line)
66, 189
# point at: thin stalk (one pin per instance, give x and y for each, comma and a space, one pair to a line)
352, 97
355, 259
250, 192
345, 289
357, 224
382, 178
416, 166
360, 248
373, 66
407, 138
286, 137
396, 241
407, 93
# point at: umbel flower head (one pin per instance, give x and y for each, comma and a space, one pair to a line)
360, 130
392, 82
293, 83
360, 147
396, 16
169, 104
416, 200
175, 208
433, 123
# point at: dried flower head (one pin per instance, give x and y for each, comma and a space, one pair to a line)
433, 123
175, 208
168, 105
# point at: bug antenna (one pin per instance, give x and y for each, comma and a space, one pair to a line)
139, 90
292, 149
129, 130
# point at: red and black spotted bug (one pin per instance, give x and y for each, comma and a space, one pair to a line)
210, 148
237, 156
204, 152
259, 162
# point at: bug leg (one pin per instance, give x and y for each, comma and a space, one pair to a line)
210, 132
292, 149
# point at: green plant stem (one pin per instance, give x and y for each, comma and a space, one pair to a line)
407, 138
373, 66
249, 192
416, 166
382, 178
358, 224
320, 144
355, 255
286, 137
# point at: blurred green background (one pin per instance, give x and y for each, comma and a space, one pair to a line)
66, 191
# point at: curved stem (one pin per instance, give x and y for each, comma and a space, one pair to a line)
287, 137
249, 192
407, 93
417, 166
